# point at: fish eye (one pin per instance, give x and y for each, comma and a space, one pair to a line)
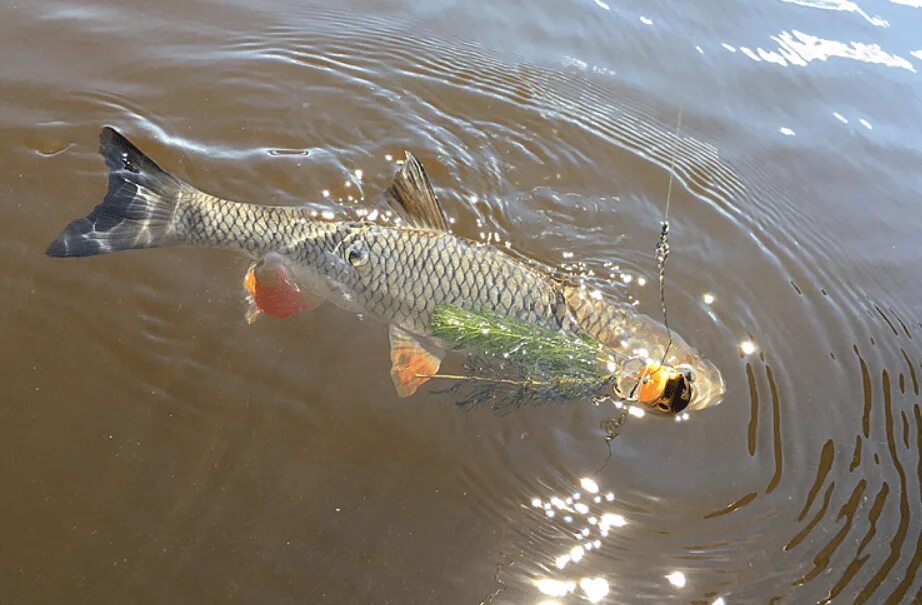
663, 407
356, 255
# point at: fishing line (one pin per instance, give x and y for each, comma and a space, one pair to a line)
611, 429
662, 246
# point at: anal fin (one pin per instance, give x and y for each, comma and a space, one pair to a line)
412, 362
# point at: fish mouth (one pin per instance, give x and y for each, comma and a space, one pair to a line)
709, 386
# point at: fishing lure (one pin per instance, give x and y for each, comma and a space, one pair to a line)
514, 362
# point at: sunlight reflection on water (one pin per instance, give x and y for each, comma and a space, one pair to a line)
588, 520
800, 49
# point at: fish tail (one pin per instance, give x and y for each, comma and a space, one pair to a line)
138, 209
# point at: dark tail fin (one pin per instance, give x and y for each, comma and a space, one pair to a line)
136, 211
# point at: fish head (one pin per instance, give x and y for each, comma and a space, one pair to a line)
689, 387
671, 390
679, 379
367, 272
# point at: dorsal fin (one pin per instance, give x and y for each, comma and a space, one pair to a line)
412, 198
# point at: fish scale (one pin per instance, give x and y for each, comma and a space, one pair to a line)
398, 274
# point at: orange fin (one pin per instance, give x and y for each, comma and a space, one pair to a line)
412, 362
253, 311
249, 284
271, 290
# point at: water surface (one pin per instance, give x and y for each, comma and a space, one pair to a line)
155, 448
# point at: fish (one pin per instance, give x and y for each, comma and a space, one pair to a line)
396, 273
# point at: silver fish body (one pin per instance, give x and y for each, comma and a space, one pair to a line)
392, 274
397, 274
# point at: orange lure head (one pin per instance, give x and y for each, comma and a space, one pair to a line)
663, 389
271, 288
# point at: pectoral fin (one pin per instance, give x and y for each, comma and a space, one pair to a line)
253, 312
271, 290
412, 362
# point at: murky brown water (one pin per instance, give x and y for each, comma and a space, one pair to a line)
156, 449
